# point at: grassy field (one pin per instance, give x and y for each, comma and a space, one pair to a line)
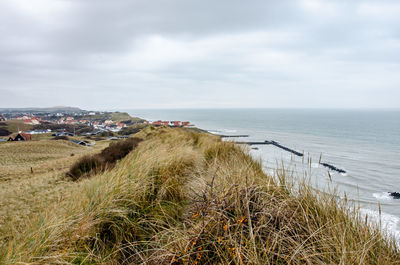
188, 198
32, 178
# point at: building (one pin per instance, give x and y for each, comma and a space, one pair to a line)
121, 125
20, 137
185, 123
2, 118
32, 121
175, 123
23, 117
79, 142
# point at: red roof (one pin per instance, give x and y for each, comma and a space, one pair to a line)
26, 136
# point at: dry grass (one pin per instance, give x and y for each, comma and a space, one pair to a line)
188, 198
31, 178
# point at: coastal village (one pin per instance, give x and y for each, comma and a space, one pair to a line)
114, 125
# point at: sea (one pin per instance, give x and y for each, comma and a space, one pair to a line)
364, 143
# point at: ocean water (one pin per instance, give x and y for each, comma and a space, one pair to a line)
365, 143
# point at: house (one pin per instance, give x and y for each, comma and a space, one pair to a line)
32, 121
20, 137
185, 123
38, 131
79, 142
108, 122
71, 122
23, 117
156, 123
62, 134
175, 123
121, 125
2, 118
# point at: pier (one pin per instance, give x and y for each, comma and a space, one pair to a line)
254, 143
286, 148
331, 167
275, 144
395, 195
233, 136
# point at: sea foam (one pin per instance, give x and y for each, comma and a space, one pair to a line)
382, 196
390, 224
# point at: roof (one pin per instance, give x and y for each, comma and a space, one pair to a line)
24, 135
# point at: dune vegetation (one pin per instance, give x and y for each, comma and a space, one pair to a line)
32, 177
182, 197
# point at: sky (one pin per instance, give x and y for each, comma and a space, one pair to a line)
127, 54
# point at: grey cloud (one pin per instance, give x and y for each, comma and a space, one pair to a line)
180, 52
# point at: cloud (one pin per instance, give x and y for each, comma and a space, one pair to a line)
178, 53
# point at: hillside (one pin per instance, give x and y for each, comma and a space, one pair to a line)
44, 110
183, 197
114, 116
13, 126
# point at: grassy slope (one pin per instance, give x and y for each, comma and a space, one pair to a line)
23, 194
114, 116
188, 198
14, 125
122, 116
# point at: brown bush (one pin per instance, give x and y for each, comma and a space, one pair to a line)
118, 150
93, 164
4, 132
61, 137
85, 166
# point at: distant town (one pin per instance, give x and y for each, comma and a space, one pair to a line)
22, 124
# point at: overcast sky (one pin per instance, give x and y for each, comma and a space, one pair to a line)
102, 54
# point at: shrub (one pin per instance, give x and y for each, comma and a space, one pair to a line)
118, 150
93, 164
85, 165
4, 132
62, 137
106, 134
